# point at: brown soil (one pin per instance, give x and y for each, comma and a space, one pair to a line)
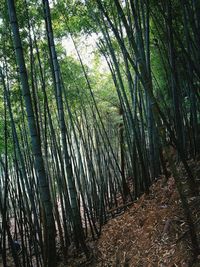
147, 233
151, 233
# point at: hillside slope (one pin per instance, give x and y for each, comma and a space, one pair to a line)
152, 232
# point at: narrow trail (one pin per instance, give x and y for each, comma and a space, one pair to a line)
151, 232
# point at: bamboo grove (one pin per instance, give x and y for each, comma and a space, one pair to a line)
71, 154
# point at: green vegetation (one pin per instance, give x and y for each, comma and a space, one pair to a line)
87, 131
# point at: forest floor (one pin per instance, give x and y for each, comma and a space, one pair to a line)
151, 232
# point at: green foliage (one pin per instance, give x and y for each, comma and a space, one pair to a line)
71, 16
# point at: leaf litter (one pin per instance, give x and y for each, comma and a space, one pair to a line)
151, 232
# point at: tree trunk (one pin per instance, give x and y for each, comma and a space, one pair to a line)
49, 227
